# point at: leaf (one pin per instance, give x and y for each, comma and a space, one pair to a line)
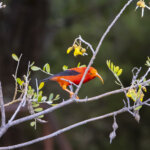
47, 68
119, 72
15, 57
112, 67
53, 104
35, 68
39, 98
79, 64
32, 124
83, 66
35, 104
108, 63
51, 96
44, 98
117, 83
32, 63
38, 109
49, 102
19, 81
29, 87
57, 97
40, 116
137, 108
65, 67
41, 85
35, 96
116, 69
69, 50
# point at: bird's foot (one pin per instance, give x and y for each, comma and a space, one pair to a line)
72, 94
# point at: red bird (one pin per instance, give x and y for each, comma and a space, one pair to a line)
73, 75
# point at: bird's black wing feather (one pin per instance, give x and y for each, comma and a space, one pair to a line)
63, 73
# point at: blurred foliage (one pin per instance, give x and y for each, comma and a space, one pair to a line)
127, 45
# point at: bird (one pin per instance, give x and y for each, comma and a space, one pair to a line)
73, 76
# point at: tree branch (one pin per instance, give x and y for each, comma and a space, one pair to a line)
3, 117
125, 109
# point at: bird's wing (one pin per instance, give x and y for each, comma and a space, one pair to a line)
64, 73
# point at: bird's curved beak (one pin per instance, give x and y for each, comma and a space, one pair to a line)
97, 75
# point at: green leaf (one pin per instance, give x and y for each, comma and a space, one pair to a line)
19, 81
41, 85
108, 63
32, 63
35, 104
49, 102
47, 68
117, 83
65, 67
29, 87
79, 64
39, 98
138, 108
32, 124
35, 68
83, 66
51, 96
38, 109
40, 116
53, 104
44, 98
15, 57
57, 97
35, 96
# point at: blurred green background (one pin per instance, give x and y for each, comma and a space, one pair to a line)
42, 30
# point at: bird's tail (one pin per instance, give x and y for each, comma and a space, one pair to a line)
46, 79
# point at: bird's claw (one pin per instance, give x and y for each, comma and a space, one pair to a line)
72, 94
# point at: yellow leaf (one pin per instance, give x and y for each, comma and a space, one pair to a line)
15, 57
144, 89
116, 69
112, 67
119, 72
69, 50
65, 67
108, 63
137, 108
41, 85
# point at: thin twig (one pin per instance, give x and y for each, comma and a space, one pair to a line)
22, 103
3, 117
88, 44
12, 102
15, 77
